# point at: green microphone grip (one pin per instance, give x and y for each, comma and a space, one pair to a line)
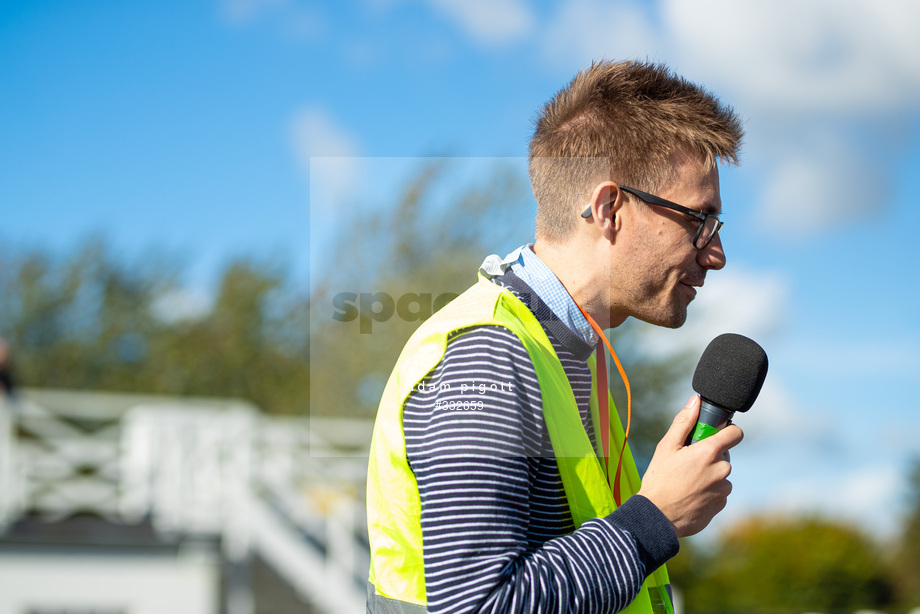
712, 420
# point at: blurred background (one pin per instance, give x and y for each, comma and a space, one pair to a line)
222, 219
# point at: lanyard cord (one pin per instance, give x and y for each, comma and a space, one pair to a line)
604, 415
603, 407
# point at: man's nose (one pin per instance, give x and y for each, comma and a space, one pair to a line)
713, 255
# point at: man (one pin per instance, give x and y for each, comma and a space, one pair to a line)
488, 489
6, 369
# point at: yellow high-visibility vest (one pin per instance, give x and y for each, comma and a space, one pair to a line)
397, 573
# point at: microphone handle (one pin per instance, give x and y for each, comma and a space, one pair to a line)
712, 420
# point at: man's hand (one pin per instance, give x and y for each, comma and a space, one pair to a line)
689, 484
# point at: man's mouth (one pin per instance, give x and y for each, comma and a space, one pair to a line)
693, 281
692, 285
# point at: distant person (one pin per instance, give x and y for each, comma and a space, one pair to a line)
489, 486
6, 369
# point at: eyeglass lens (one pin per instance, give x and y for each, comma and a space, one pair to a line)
708, 229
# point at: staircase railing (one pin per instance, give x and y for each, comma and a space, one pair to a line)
287, 489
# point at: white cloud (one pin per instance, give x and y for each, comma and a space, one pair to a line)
182, 304
845, 56
844, 358
740, 301
294, 20
489, 21
808, 72
327, 153
585, 30
243, 11
317, 134
819, 180
776, 414
305, 23
810, 76
869, 493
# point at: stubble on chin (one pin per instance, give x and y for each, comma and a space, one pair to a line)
677, 320
666, 319
671, 316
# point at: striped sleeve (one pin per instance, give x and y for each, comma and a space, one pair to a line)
497, 533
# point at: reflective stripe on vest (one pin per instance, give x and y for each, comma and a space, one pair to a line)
397, 573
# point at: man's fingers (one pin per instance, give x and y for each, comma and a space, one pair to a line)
683, 424
728, 438
718, 444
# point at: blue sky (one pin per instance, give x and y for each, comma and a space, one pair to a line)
191, 126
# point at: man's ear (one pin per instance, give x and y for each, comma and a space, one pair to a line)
605, 202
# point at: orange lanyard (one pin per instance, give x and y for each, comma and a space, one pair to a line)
603, 407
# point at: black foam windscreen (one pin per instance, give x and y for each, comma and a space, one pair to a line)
731, 372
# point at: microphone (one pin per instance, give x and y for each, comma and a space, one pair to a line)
728, 378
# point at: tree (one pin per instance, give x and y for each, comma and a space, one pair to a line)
80, 321
907, 559
792, 564
94, 320
253, 343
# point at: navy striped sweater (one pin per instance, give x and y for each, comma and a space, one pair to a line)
496, 528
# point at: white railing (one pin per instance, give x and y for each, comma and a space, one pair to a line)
287, 489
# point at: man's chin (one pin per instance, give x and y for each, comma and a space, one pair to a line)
672, 319
675, 323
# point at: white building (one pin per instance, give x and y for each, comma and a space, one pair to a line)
120, 504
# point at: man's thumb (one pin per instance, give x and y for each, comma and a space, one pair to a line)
683, 424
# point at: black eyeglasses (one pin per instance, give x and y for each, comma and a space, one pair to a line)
710, 224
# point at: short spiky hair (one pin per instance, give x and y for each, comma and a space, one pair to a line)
620, 121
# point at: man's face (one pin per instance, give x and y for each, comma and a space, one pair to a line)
660, 268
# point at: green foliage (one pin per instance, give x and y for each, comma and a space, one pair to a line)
91, 320
786, 565
907, 559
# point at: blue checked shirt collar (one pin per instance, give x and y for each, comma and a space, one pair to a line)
534, 272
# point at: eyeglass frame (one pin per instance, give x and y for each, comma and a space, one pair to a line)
667, 204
